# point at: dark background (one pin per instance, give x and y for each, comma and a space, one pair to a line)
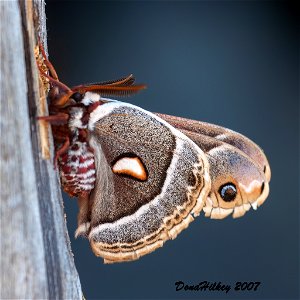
235, 64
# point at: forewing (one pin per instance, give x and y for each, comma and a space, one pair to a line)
151, 181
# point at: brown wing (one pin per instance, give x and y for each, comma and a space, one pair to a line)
237, 181
151, 182
225, 135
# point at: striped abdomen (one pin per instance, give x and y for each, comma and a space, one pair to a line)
77, 169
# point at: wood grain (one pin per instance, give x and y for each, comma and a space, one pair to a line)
36, 258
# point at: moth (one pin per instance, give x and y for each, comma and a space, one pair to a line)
141, 178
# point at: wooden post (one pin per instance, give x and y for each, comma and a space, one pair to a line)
36, 259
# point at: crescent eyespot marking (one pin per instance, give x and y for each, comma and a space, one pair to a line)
131, 166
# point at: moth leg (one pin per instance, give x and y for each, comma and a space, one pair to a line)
47, 62
58, 119
59, 98
54, 81
63, 149
83, 217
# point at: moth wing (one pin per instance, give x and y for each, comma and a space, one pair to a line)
151, 182
237, 181
225, 135
235, 161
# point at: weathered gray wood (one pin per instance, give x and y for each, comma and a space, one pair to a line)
36, 260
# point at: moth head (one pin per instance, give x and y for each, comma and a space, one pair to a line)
86, 98
238, 183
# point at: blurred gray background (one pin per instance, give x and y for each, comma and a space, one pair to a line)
235, 64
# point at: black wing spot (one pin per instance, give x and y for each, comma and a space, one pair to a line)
228, 192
